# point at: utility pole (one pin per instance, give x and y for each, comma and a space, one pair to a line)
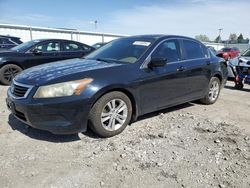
95, 22
220, 31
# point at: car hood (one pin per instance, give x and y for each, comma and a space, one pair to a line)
245, 59
8, 53
61, 71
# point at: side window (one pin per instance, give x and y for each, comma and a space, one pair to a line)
169, 50
71, 46
193, 49
84, 47
49, 47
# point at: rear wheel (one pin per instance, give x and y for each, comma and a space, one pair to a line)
110, 114
8, 72
212, 92
238, 85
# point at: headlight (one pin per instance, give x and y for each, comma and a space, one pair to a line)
62, 89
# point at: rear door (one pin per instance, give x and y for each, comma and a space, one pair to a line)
197, 66
72, 50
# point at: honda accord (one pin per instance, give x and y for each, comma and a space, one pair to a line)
115, 84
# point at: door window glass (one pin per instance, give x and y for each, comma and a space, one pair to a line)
49, 47
72, 47
193, 49
169, 50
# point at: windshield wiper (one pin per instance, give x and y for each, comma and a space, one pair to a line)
104, 60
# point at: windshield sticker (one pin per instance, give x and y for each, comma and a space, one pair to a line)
141, 43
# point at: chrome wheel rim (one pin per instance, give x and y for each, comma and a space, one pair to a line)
10, 73
114, 114
214, 91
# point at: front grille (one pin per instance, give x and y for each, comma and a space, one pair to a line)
19, 91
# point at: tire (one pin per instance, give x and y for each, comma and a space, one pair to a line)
213, 91
106, 118
8, 72
238, 86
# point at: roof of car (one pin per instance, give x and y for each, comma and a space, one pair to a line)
8, 36
159, 36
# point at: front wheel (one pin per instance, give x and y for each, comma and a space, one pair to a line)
110, 114
212, 92
8, 72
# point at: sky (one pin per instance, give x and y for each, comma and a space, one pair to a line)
133, 17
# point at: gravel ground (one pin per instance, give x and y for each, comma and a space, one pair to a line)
191, 145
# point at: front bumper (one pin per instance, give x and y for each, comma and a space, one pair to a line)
64, 115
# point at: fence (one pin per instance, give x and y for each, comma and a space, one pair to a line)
218, 46
27, 33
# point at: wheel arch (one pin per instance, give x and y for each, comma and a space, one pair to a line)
12, 62
219, 76
128, 93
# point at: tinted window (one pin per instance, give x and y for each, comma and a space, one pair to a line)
246, 53
169, 50
48, 47
70, 46
193, 49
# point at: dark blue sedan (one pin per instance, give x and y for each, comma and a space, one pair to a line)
115, 84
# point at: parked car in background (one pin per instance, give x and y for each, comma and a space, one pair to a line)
245, 57
37, 52
8, 42
232, 63
115, 84
99, 45
229, 53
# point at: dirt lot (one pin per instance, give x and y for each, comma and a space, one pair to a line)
192, 145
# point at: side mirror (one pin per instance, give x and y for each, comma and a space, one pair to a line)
157, 62
36, 52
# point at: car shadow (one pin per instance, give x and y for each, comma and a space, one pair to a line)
233, 88
167, 110
47, 136
17, 125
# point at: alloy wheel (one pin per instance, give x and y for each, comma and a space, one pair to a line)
214, 90
114, 114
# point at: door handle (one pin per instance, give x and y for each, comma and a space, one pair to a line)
208, 62
181, 69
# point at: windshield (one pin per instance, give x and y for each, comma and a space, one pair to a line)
123, 50
246, 53
25, 46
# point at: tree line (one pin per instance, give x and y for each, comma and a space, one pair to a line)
232, 39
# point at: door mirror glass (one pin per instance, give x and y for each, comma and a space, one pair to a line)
157, 62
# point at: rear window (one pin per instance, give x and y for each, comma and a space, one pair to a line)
193, 49
226, 49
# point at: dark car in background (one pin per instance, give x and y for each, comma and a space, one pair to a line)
8, 42
115, 84
37, 52
229, 53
